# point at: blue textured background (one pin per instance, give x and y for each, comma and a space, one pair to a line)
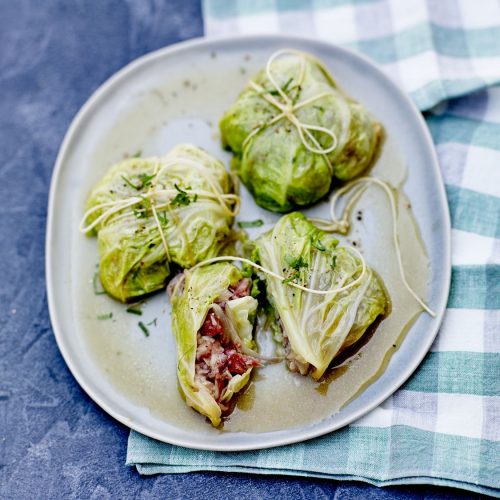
54, 441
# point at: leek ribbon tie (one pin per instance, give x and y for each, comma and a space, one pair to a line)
229, 202
283, 279
342, 225
288, 110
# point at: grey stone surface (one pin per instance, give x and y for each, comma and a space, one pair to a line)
54, 441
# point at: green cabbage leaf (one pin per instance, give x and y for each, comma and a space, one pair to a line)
316, 328
133, 258
191, 302
274, 164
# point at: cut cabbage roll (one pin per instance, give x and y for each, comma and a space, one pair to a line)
317, 328
193, 195
271, 154
212, 319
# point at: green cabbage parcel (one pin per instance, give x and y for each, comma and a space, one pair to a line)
269, 130
212, 318
316, 328
192, 195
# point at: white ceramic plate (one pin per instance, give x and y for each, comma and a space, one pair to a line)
177, 94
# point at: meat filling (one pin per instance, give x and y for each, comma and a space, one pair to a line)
294, 362
218, 358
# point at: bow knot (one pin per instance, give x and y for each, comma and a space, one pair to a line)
288, 109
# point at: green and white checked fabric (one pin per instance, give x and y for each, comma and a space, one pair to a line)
434, 49
443, 426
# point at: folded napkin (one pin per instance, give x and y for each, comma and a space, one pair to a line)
443, 426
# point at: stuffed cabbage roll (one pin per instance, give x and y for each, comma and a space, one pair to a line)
292, 130
149, 214
212, 319
315, 328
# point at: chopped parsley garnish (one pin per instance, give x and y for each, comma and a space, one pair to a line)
96, 283
144, 328
140, 213
144, 181
162, 217
296, 263
287, 84
129, 182
137, 154
182, 198
285, 88
333, 264
134, 310
250, 223
104, 316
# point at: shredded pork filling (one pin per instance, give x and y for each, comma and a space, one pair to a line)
295, 362
218, 357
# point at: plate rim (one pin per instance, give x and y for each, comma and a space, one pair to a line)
298, 434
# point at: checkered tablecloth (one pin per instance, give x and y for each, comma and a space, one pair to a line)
443, 426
